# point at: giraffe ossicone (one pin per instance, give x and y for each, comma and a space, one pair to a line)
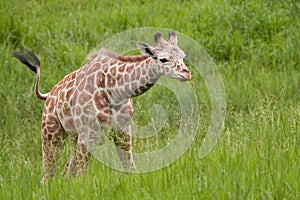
98, 97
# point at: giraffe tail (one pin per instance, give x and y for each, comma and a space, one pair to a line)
33, 63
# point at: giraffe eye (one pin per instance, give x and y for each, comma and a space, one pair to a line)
163, 60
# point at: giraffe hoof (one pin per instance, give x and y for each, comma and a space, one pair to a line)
43, 181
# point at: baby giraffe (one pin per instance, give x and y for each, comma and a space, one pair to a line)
100, 92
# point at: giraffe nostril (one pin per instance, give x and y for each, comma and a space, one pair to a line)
186, 71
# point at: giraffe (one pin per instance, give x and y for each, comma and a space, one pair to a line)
100, 92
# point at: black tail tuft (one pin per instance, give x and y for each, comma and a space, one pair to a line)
29, 59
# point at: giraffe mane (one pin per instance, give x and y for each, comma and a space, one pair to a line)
110, 54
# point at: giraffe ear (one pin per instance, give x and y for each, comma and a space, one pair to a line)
172, 38
147, 50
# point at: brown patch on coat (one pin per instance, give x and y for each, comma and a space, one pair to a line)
100, 80
101, 100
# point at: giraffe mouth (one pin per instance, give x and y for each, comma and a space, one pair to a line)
181, 78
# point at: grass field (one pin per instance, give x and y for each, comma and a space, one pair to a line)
256, 47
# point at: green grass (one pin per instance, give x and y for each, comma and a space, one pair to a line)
255, 45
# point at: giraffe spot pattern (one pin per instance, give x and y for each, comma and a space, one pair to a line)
100, 80
110, 80
100, 99
84, 97
90, 87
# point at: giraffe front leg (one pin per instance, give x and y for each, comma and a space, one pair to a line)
123, 144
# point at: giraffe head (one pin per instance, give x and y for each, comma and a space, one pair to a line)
168, 56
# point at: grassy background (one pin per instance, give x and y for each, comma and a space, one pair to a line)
255, 45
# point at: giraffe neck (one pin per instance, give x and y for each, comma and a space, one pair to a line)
133, 78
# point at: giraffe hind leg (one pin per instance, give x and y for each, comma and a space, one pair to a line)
52, 137
71, 164
82, 156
